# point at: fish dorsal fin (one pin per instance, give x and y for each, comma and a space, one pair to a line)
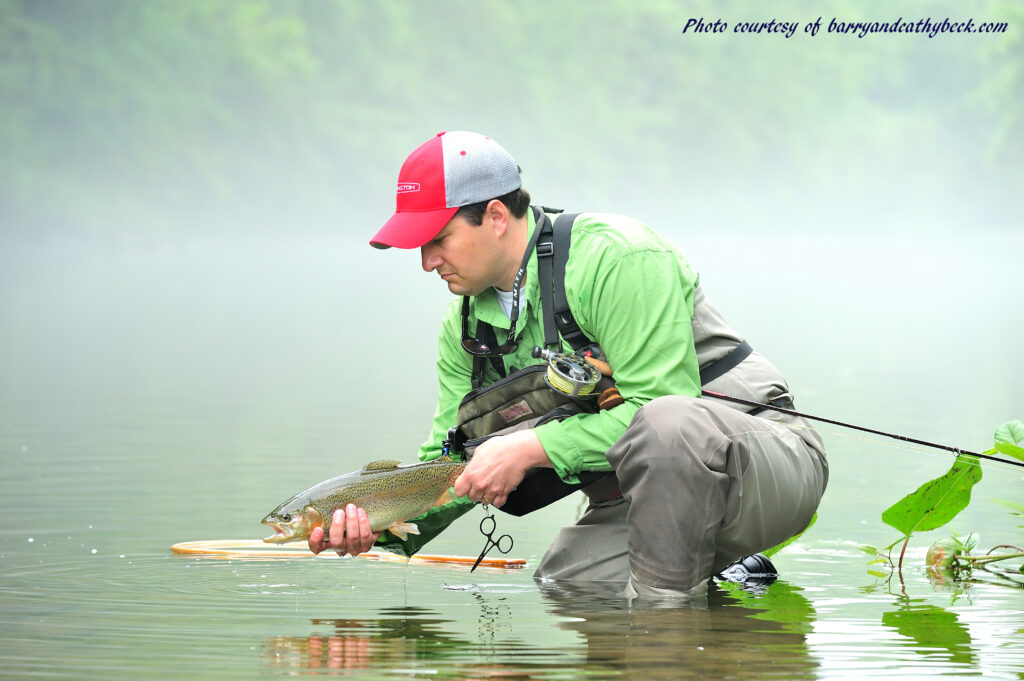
383, 465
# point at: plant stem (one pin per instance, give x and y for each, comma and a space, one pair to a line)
903, 550
988, 558
1004, 546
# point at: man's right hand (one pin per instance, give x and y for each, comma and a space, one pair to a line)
350, 533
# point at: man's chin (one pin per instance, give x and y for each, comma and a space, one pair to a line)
459, 289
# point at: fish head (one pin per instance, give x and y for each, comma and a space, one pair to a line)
293, 520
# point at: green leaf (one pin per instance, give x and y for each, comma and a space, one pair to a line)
936, 502
782, 602
932, 628
869, 549
1011, 432
1010, 450
964, 544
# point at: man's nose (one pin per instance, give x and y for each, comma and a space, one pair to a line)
429, 259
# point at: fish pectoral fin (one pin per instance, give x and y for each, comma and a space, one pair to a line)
403, 530
445, 497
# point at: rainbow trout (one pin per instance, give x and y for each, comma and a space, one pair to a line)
390, 492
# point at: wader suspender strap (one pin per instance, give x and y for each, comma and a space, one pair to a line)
545, 251
552, 256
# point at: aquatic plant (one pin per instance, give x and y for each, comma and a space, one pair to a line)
938, 501
934, 503
954, 555
1008, 438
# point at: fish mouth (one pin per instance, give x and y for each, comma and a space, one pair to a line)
282, 534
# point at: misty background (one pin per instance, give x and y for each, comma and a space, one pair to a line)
187, 190
291, 117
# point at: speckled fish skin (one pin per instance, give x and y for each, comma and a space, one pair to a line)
390, 493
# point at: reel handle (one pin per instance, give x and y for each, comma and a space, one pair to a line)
539, 352
549, 355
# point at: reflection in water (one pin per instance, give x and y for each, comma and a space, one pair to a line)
406, 637
954, 581
398, 635
720, 641
932, 629
739, 634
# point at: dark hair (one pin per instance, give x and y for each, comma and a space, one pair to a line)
517, 202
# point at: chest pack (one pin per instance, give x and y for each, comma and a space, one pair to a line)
525, 398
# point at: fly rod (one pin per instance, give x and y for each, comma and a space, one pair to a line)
904, 438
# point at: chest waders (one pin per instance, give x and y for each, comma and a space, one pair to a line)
523, 399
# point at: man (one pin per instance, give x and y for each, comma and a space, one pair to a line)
698, 483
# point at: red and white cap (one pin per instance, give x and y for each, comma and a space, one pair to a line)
451, 170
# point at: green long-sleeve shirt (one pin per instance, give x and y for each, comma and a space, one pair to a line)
631, 291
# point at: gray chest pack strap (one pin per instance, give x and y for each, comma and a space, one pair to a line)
552, 257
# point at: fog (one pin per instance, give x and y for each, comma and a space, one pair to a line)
122, 118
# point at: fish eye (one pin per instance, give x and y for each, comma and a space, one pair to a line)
287, 517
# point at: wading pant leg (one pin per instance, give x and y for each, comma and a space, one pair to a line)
706, 485
592, 550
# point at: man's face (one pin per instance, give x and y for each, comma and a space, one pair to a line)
464, 255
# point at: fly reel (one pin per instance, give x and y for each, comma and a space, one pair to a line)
569, 374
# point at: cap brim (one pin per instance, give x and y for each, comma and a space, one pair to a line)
412, 229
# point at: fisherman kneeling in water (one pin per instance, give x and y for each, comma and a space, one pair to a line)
697, 484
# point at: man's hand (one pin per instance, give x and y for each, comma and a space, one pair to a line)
498, 466
350, 533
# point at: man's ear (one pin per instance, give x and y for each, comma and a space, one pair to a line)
498, 215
